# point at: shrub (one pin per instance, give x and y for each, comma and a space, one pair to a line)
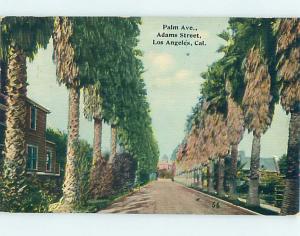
143, 177
269, 181
84, 163
165, 174
111, 179
29, 197
243, 187
100, 180
123, 171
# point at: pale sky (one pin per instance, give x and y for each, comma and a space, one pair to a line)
173, 82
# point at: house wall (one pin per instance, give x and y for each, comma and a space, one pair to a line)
164, 166
33, 137
37, 137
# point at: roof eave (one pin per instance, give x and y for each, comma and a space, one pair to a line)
38, 105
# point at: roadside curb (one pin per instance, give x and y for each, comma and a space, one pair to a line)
221, 200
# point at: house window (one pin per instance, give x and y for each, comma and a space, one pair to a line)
32, 153
49, 161
33, 113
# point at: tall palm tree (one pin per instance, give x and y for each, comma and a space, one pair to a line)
221, 172
235, 130
256, 105
288, 50
68, 74
20, 38
234, 88
92, 111
253, 54
100, 174
214, 91
221, 148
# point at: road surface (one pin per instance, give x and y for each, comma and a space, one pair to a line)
166, 197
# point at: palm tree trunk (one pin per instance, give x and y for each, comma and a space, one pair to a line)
70, 188
98, 167
233, 172
15, 148
253, 195
202, 177
113, 143
97, 140
211, 173
290, 205
220, 186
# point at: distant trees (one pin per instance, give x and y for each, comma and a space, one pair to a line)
282, 164
60, 139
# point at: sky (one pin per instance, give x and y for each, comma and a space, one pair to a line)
172, 77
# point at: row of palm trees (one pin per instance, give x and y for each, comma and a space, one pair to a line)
93, 55
260, 65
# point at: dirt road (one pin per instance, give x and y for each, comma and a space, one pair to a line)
166, 197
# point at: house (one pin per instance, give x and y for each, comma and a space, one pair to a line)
165, 169
268, 164
164, 165
40, 153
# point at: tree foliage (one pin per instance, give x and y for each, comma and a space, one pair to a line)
26, 33
115, 88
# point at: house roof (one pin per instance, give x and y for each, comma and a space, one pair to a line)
4, 107
267, 163
50, 142
37, 105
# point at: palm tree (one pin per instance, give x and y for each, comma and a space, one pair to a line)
253, 44
68, 74
135, 132
288, 50
235, 130
256, 105
220, 182
220, 147
100, 174
20, 38
92, 111
214, 91
234, 88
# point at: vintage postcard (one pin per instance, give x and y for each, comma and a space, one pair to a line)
166, 115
